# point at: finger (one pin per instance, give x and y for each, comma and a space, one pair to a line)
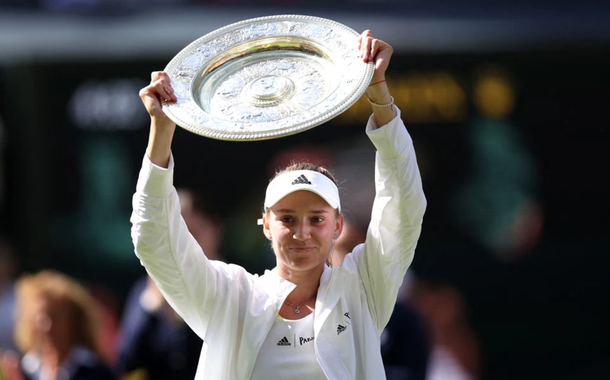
157, 90
375, 44
149, 92
366, 33
156, 75
151, 98
385, 52
164, 89
367, 38
364, 44
151, 101
161, 77
164, 77
365, 49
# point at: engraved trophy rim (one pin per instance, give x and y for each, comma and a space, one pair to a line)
266, 77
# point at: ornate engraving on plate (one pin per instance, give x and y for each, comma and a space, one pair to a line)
267, 77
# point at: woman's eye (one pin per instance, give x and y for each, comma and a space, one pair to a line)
317, 219
286, 219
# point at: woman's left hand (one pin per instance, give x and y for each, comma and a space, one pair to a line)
373, 49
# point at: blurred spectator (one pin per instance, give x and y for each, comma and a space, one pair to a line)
56, 331
108, 317
204, 223
404, 342
156, 343
8, 274
405, 345
454, 351
352, 235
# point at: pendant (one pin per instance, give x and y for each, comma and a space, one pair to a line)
297, 310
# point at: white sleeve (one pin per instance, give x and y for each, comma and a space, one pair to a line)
396, 218
190, 282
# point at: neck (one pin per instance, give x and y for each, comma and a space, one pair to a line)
307, 282
53, 355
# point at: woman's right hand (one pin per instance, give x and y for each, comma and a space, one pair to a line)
162, 128
159, 89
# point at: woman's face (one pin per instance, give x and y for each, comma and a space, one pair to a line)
51, 320
302, 228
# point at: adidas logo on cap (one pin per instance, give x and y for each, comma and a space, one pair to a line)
301, 180
288, 182
284, 342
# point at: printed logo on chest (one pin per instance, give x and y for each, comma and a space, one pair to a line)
342, 327
303, 340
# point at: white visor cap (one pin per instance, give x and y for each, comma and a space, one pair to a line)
289, 182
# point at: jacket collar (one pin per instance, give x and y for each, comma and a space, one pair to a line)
329, 292
275, 286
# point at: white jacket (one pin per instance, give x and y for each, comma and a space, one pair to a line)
233, 310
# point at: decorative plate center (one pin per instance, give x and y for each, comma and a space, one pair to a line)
270, 90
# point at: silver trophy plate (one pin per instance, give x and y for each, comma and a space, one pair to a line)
267, 77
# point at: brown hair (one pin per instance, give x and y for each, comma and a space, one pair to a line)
61, 287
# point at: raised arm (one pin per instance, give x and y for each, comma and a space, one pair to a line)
161, 127
378, 93
162, 241
399, 204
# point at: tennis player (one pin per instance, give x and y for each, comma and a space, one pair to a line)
303, 319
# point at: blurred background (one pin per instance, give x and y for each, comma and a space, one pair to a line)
508, 106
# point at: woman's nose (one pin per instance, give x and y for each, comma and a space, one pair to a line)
301, 232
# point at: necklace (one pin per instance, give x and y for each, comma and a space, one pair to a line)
297, 308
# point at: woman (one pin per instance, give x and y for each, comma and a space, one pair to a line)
56, 330
303, 319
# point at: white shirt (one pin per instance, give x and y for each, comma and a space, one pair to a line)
288, 352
